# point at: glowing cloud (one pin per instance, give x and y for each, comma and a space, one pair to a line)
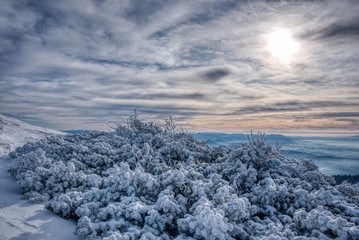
282, 45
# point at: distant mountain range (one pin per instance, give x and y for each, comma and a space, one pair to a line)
333, 155
237, 138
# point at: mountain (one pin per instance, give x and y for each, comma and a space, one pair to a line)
333, 155
236, 138
15, 133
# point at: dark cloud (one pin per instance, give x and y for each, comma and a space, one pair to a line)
338, 114
215, 75
314, 104
48, 16
348, 29
141, 11
294, 106
350, 120
189, 96
338, 30
214, 10
162, 96
8, 51
161, 33
160, 109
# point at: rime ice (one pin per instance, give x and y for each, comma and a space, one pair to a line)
152, 182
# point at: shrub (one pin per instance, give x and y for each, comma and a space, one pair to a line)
153, 182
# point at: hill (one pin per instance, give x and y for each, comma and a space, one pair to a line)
15, 133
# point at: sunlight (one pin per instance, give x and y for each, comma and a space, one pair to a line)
282, 45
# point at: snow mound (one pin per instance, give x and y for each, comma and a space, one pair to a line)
15, 133
20, 219
153, 182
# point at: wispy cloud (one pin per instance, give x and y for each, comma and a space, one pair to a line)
78, 64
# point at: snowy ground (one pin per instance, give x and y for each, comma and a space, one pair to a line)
15, 133
20, 219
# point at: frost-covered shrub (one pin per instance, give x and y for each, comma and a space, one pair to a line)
206, 222
153, 182
351, 191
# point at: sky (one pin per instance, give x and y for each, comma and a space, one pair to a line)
213, 65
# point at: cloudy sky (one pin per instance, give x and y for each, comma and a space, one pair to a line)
214, 65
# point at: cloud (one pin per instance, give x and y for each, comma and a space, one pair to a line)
175, 96
215, 75
74, 62
298, 106
141, 11
338, 30
338, 114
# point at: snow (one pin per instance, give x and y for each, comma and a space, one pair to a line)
20, 219
149, 181
15, 133
333, 155
155, 182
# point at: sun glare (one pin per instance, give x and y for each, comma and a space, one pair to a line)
282, 45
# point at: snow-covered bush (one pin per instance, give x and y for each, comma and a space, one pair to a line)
153, 182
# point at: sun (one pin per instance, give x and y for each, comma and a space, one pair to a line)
282, 45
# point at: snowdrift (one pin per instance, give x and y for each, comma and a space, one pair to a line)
20, 219
153, 182
15, 133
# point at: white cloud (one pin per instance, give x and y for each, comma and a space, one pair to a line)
59, 58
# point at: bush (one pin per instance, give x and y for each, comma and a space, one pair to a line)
153, 182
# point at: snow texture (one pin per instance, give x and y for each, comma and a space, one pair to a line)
20, 219
153, 182
15, 133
